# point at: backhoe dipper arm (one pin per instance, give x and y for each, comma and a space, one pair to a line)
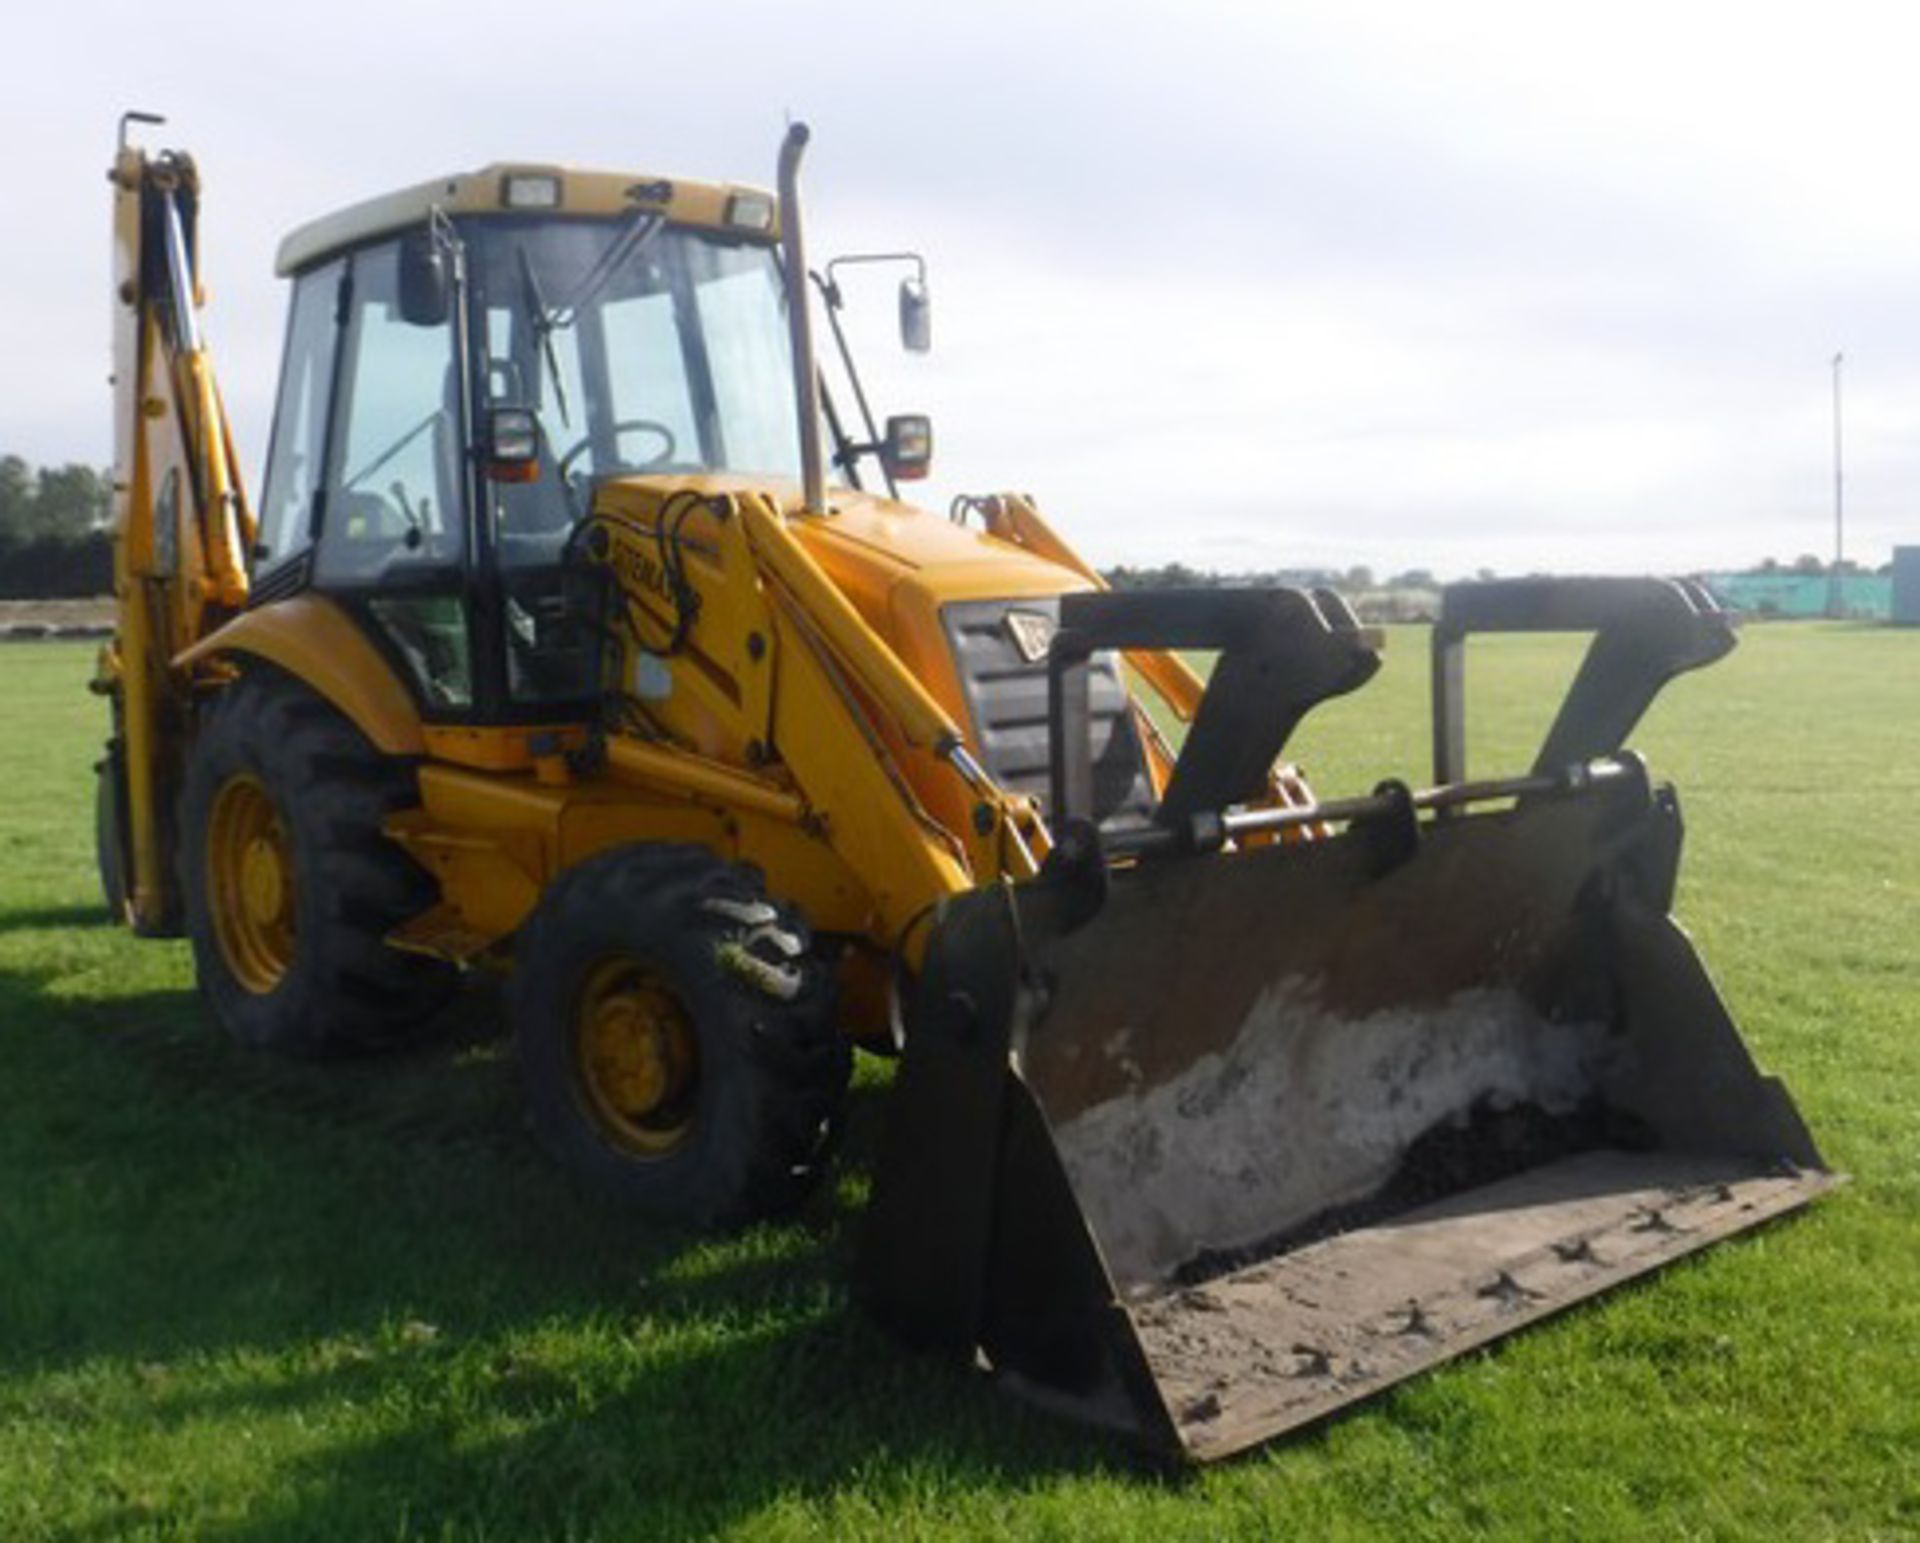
182, 527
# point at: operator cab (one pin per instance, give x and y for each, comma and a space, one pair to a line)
630, 326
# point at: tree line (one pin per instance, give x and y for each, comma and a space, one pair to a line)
55, 544
1358, 580
54, 537
1361, 580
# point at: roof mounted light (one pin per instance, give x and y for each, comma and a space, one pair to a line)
529, 190
750, 211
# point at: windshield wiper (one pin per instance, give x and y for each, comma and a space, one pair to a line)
542, 321
547, 320
640, 229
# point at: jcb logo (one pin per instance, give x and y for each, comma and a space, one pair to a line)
1032, 633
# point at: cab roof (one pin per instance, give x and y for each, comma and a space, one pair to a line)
486, 191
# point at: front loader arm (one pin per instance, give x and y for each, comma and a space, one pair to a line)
1013, 517
909, 860
773, 675
182, 526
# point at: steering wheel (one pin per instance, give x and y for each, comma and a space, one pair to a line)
624, 426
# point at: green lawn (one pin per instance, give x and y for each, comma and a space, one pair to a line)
240, 1299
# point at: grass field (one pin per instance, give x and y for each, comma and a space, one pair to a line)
245, 1300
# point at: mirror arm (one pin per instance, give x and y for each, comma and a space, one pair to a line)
846, 453
918, 340
853, 258
851, 452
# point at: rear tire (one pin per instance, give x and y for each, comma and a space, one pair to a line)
677, 1038
292, 885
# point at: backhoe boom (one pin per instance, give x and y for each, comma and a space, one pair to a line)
181, 523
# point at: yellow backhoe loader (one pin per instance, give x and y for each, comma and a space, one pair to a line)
578, 632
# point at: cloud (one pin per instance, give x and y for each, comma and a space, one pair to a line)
1443, 286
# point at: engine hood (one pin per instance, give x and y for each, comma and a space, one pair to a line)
910, 573
893, 560
868, 539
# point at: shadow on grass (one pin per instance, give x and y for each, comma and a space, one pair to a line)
695, 1443
46, 917
260, 1240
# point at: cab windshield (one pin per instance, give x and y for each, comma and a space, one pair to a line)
639, 346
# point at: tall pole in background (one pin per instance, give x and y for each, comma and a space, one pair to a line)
1835, 603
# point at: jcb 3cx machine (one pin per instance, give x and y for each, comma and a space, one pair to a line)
579, 634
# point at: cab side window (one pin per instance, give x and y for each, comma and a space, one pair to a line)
299, 420
393, 501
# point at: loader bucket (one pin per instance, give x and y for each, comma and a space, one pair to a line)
1206, 1146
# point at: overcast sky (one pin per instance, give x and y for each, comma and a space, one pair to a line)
1527, 286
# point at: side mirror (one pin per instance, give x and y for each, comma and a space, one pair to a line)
916, 316
512, 444
907, 451
424, 287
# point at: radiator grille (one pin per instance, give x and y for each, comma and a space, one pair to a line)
1007, 696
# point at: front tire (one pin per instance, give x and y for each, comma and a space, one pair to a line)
677, 1038
292, 885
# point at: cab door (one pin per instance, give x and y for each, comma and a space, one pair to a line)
392, 508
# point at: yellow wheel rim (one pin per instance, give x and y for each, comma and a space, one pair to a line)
638, 1057
250, 883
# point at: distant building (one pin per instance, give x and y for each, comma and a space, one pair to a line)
1865, 595
1906, 586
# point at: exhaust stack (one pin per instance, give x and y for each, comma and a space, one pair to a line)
806, 374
